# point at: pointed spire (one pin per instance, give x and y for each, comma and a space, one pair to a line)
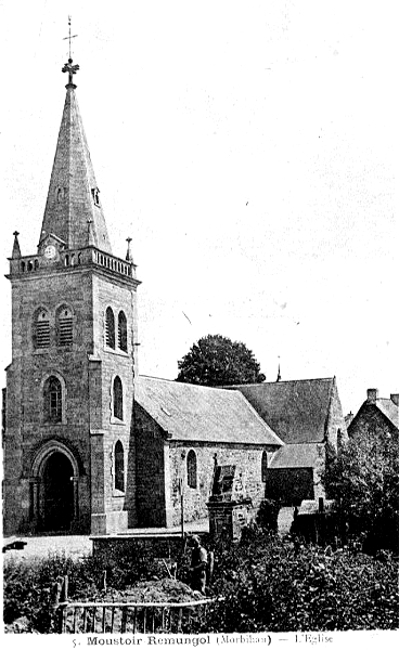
73, 196
128, 256
16, 251
278, 377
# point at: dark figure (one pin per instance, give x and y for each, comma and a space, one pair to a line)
198, 566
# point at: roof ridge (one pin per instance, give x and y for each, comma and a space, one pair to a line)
284, 381
184, 383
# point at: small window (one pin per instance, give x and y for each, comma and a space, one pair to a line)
122, 332
42, 329
52, 395
64, 326
191, 469
119, 469
118, 399
95, 195
264, 466
110, 328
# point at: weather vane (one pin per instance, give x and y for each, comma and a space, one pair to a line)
68, 67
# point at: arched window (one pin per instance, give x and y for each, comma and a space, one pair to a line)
191, 464
52, 397
41, 336
118, 399
64, 326
110, 328
122, 332
264, 466
119, 468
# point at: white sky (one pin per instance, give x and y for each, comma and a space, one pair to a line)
247, 148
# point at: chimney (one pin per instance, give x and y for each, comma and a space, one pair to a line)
372, 395
395, 398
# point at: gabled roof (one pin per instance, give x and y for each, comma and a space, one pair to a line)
385, 406
296, 410
295, 456
72, 199
389, 410
192, 413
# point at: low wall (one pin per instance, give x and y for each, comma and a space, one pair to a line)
168, 545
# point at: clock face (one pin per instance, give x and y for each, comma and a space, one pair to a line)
49, 252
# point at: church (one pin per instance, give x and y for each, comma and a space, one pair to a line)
90, 446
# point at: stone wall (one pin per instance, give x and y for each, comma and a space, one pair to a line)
335, 422
119, 506
86, 369
150, 468
26, 428
247, 459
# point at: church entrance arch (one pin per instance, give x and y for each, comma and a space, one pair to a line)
58, 493
54, 498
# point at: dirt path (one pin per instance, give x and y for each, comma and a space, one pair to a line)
72, 545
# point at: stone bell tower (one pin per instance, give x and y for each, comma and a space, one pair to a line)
69, 462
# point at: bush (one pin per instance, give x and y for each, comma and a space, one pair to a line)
364, 481
267, 516
267, 584
278, 586
28, 584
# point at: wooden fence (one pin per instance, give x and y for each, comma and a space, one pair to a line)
123, 617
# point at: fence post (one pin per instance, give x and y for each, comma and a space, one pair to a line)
64, 589
56, 591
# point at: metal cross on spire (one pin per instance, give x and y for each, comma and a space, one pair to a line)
69, 37
68, 67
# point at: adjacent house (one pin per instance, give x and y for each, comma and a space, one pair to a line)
377, 416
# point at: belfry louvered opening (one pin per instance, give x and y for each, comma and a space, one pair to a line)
42, 330
65, 325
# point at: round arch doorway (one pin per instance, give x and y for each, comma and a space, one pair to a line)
57, 493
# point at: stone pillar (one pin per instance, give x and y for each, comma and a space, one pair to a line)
228, 518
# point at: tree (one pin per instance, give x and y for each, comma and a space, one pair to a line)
364, 481
217, 361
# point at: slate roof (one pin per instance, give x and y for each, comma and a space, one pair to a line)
296, 410
295, 456
389, 409
200, 414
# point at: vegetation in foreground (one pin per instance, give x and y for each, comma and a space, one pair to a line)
363, 479
266, 583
